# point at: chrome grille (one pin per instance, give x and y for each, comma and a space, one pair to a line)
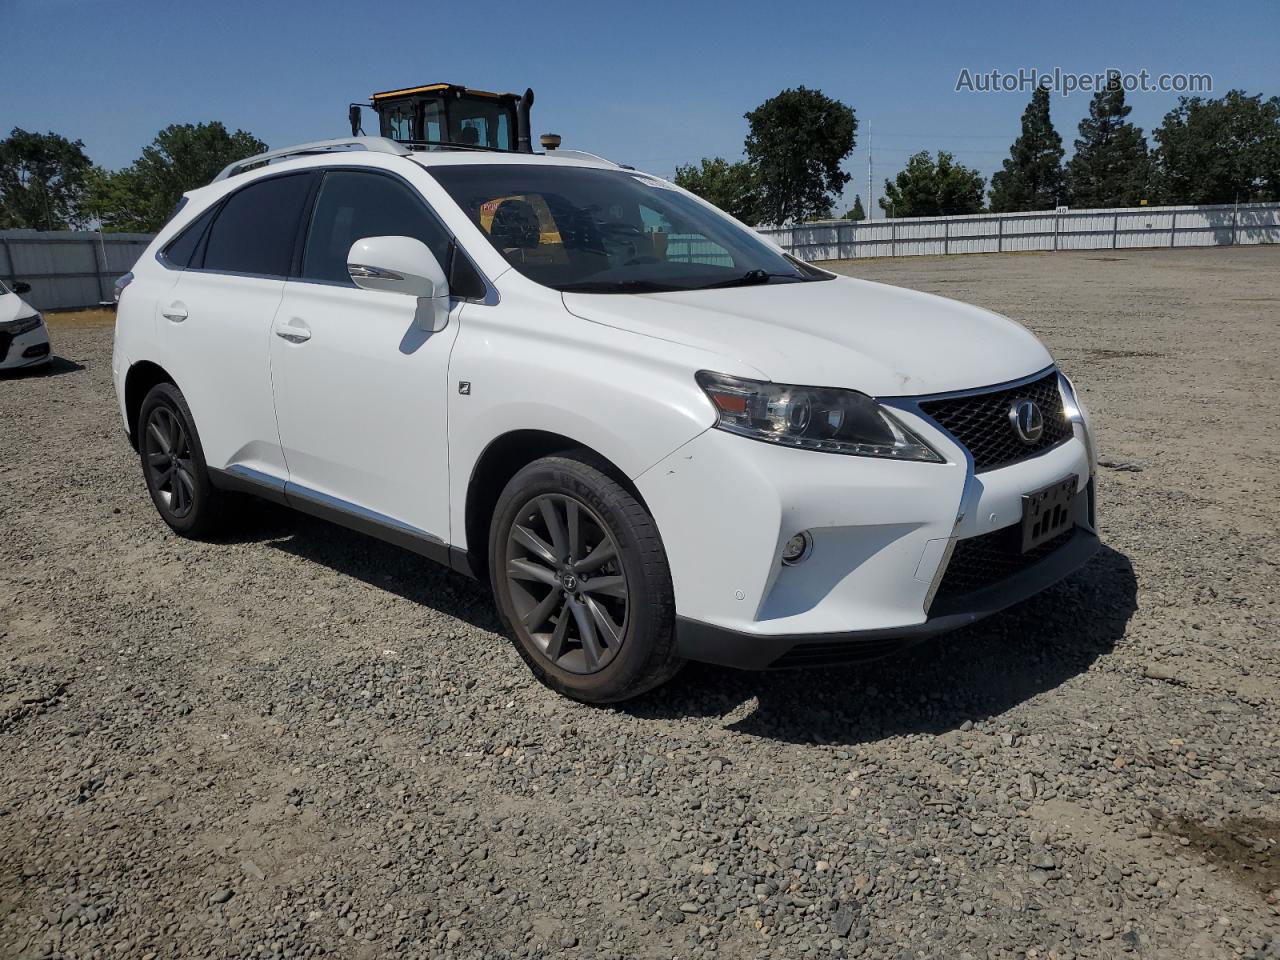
980, 421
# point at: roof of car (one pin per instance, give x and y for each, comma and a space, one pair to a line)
425, 158
457, 158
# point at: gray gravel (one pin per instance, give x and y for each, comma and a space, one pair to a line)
300, 742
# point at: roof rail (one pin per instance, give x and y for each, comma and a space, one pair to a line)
580, 155
373, 144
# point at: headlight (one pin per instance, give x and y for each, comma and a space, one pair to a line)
812, 418
27, 324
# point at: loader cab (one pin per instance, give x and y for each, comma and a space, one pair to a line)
445, 115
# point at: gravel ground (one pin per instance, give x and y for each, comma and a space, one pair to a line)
301, 742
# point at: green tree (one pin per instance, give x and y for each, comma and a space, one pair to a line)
796, 143
1111, 166
1219, 151
182, 157
856, 212
1032, 177
42, 181
730, 186
926, 188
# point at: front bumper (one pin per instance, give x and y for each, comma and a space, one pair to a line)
25, 350
883, 536
704, 642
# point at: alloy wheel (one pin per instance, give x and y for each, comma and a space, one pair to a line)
168, 459
567, 582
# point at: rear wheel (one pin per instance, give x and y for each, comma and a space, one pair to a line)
581, 579
174, 466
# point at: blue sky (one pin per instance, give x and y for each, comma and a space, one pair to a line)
654, 84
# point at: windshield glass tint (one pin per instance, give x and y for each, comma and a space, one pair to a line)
610, 231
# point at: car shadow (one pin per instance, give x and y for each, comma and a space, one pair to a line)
375, 562
972, 674
55, 367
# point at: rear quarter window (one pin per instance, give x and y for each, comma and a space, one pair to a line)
256, 228
182, 249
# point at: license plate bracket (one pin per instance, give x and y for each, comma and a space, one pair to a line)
1047, 512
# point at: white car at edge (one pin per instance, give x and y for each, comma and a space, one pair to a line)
24, 338
656, 435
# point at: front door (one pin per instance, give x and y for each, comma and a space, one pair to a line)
360, 391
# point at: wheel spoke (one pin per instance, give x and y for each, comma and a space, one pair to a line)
528, 570
175, 433
536, 617
179, 491
164, 476
573, 515
555, 527
157, 459
597, 558
158, 434
608, 631
534, 544
611, 586
587, 633
555, 648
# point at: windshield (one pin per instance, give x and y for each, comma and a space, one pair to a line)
581, 229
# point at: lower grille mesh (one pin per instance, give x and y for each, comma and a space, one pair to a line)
983, 561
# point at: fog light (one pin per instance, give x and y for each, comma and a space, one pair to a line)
797, 548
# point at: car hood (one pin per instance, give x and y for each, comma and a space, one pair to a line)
13, 307
882, 340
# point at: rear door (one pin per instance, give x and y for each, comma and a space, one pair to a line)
360, 391
214, 324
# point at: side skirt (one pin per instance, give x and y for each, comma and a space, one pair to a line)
352, 516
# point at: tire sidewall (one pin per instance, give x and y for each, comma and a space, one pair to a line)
645, 636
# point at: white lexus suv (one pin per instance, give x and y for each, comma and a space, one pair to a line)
654, 433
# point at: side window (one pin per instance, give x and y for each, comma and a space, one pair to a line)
353, 205
183, 247
256, 228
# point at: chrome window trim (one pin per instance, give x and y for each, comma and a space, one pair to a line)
491, 296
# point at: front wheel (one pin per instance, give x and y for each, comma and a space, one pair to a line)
581, 580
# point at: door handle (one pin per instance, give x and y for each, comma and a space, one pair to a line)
176, 311
295, 332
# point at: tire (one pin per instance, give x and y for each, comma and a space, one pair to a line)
595, 630
182, 491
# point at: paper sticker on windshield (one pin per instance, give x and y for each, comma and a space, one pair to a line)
651, 182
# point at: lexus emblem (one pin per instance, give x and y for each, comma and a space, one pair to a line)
1028, 422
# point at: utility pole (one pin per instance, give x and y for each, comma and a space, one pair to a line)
870, 200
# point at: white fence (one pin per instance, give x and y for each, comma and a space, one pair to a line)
1114, 229
68, 268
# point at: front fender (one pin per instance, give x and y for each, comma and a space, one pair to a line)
534, 366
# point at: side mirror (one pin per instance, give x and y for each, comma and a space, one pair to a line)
403, 265
20, 287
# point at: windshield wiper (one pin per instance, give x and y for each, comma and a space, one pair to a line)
750, 278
